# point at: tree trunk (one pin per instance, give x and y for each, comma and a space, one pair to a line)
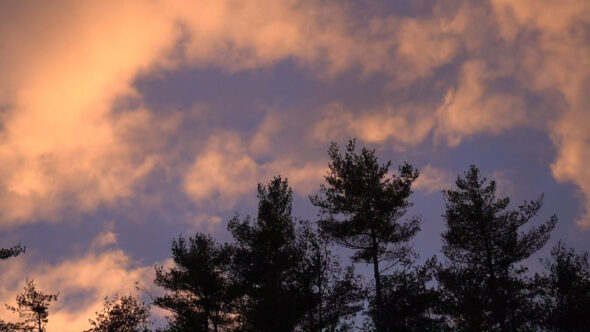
377, 276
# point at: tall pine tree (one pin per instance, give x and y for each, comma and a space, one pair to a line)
361, 206
484, 286
336, 293
201, 294
269, 263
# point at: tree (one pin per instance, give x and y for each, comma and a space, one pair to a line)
6, 254
33, 306
409, 304
269, 263
566, 299
483, 287
336, 294
361, 205
121, 314
201, 292
11, 252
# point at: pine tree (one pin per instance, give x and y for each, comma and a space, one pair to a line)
336, 294
121, 314
566, 300
269, 263
6, 253
410, 303
11, 252
201, 292
361, 206
484, 288
33, 306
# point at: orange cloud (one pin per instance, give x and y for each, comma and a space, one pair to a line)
471, 109
226, 171
432, 179
63, 147
406, 125
557, 58
222, 173
102, 271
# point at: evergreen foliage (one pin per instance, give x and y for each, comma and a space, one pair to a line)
483, 287
280, 274
337, 294
410, 303
361, 206
201, 294
121, 314
269, 263
566, 300
32, 305
11, 252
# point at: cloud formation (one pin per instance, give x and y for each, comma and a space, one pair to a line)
556, 56
69, 141
82, 282
433, 180
78, 134
225, 170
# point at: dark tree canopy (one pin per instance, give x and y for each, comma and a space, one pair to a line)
32, 306
121, 314
409, 302
361, 206
566, 300
11, 252
484, 288
269, 262
200, 290
336, 294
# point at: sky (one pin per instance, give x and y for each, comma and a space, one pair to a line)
124, 124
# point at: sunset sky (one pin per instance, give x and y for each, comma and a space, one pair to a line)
124, 124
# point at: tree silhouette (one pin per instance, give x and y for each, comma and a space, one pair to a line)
409, 303
11, 252
337, 294
361, 205
566, 300
201, 294
269, 263
484, 289
121, 314
5, 254
33, 306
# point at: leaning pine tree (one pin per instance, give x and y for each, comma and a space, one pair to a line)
361, 205
482, 283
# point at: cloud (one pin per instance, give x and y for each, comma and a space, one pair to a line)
406, 125
61, 145
65, 144
82, 282
222, 172
304, 176
556, 57
225, 170
432, 179
471, 109
204, 223
505, 186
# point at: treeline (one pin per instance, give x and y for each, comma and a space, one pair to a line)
280, 273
